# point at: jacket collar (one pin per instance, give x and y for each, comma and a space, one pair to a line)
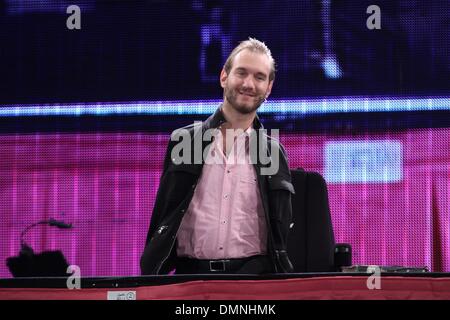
217, 118
214, 121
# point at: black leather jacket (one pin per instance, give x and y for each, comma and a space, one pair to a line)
177, 187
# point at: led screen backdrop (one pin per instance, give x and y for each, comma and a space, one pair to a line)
85, 116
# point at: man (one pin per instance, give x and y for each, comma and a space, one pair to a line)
225, 216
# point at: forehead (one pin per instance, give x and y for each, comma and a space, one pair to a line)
252, 61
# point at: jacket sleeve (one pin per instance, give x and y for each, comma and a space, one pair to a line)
158, 209
160, 200
281, 188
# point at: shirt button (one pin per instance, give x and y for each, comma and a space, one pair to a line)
225, 196
224, 222
228, 171
221, 248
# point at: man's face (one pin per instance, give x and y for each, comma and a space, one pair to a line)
247, 85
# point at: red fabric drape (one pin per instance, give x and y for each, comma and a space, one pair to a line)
341, 287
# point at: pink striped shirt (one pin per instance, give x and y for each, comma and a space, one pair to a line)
225, 218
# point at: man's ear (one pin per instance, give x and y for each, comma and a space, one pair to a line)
223, 78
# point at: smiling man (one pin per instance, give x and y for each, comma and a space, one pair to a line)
247, 77
227, 216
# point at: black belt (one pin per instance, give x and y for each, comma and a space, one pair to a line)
189, 265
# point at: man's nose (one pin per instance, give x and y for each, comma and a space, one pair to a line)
248, 83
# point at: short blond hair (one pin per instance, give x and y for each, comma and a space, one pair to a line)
253, 45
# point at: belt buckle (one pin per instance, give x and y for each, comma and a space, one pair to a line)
214, 265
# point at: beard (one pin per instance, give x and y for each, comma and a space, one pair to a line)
245, 108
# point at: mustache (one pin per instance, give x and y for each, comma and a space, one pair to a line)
247, 91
